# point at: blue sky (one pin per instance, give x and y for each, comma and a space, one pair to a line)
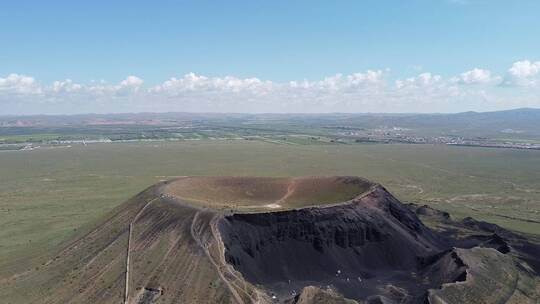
104, 42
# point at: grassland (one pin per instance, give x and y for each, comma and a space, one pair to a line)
49, 195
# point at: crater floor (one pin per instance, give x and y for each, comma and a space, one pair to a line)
253, 194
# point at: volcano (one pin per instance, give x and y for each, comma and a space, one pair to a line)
285, 240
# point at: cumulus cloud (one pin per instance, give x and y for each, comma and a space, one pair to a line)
131, 81
192, 82
15, 83
129, 85
524, 73
422, 80
475, 76
340, 81
524, 69
65, 86
368, 91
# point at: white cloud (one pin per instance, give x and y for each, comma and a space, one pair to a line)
65, 86
524, 69
94, 89
131, 81
422, 80
475, 76
15, 83
523, 73
192, 82
368, 91
339, 81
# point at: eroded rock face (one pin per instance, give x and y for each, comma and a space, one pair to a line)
372, 249
346, 245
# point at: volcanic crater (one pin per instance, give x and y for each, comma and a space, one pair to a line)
287, 240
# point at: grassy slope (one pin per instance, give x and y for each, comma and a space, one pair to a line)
490, 270
164, 253
49, 195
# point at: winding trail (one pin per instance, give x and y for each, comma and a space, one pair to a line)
197, 239
290, 190
126, 286
229, 269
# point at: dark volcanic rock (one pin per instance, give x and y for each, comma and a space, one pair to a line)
372, 249
349, 245
426, 210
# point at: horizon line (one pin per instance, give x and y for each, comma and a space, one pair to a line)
266, 113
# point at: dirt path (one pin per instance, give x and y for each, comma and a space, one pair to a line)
126, 286
415, 187
290, 190
197, 239
228, 268
518, 187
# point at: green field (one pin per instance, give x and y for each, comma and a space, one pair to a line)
49, 195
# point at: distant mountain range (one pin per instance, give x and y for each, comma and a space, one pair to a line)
517, 121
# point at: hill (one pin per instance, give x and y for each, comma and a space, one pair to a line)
282, 240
